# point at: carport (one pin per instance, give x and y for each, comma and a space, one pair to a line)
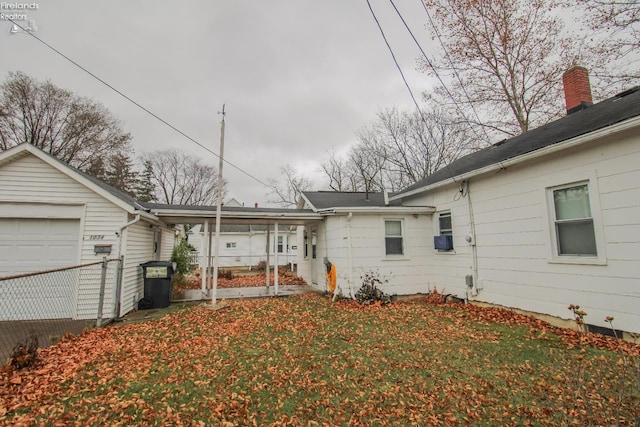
206, 215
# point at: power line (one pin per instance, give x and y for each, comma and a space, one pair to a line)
455, 71
152, 114
441, 149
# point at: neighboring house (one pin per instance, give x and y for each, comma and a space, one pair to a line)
537, 222
245, 245
52, 216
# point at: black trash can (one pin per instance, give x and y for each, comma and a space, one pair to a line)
157, 284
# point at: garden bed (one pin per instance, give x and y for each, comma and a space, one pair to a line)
243, 280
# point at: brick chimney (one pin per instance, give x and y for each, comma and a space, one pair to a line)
577, 90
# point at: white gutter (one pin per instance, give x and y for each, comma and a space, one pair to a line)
551, 149
148, 216
323, 212
428, 210
197, 213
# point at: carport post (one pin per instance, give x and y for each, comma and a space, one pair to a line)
118, 293
275, 270
103, 281
266, 269
214, 290
204, 265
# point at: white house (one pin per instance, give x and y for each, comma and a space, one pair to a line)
364, 233
245, 245
52, 216
537, 222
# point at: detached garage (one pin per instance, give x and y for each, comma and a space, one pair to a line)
53, 216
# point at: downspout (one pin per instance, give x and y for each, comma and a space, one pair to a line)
120, 272
349, 250
326, 246
472, 241
326, 252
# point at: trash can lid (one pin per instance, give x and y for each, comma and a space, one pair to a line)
157, 264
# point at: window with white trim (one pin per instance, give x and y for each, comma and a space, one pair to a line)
393, 239
445, 228
280, 244
444, 224
573, 222
314, 243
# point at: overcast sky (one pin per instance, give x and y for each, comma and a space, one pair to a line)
299, 77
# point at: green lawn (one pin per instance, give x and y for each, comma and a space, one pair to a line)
305, 361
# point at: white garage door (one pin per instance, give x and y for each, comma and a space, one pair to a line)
30, 245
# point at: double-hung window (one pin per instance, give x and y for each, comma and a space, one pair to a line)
393, 240
444, 223
443, 242
573, 221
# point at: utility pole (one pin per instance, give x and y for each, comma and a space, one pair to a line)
214, 291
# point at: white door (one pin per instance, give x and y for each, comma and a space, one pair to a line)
31, 245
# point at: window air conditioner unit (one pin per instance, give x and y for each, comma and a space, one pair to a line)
443, 243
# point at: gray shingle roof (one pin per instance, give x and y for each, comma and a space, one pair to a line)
621, 107
333, 199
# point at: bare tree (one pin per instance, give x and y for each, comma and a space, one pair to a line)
181, 179
287, 191
418, 144
614, 29
339, 172
503, 57
398, 149
76, 130
367, 159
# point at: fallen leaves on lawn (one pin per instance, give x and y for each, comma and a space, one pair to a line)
242, 281
305, 361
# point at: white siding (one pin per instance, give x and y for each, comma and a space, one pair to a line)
168, 238
516, 266
406, 274
30, 180
139, 249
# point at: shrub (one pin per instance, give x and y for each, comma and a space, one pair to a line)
180, 255
25, 354
369, 293
225, 274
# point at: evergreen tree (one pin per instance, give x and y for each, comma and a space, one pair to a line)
145, 190
121, 174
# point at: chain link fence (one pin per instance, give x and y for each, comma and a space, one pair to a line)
51, 304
